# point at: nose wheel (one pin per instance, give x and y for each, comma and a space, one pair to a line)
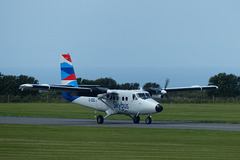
148, 120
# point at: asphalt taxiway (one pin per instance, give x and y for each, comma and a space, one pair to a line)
119, 123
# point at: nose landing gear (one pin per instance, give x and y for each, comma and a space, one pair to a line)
148, 120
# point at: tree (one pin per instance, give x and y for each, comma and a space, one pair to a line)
129, 86
108, 82
228, 85
151, 85
105, 82
9, 84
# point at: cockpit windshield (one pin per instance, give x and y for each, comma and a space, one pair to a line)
143, 95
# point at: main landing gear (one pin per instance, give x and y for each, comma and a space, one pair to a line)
136, 119
100, 119
148, 120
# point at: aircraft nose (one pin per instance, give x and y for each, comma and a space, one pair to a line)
158, 108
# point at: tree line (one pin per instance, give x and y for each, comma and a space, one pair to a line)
229, 89
108, 83
228, 85
9, 85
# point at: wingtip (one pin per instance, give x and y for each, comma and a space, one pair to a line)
23, 86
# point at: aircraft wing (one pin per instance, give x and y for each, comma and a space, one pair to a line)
176, 89
191, 88
80, 91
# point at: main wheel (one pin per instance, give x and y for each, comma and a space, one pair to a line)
148, 120
136, 119
100, 119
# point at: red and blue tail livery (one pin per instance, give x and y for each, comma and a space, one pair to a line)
67, 72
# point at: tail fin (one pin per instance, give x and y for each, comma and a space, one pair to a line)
67, 72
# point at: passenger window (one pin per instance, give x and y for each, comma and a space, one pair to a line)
126, 98
122, 98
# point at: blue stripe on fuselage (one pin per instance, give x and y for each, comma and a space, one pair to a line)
69, 97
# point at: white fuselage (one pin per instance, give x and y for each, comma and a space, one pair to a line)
129, 102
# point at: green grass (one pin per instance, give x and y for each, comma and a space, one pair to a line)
226, 113
65, 110
75, 142
69, 142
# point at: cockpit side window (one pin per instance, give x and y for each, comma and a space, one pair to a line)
134, 97
147, 95
143, 95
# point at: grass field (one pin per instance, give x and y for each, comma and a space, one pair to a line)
68, 142
75, 142
226, 113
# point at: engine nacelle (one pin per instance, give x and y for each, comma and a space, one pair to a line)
158, 96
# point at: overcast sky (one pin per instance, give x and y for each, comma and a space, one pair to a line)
129, 40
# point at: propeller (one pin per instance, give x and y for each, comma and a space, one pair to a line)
164, 92
166, 83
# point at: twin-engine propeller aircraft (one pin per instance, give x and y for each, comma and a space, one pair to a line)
132, 103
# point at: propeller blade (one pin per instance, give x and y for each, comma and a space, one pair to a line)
166, 83
164, 92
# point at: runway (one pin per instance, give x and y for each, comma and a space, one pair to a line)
119, 123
